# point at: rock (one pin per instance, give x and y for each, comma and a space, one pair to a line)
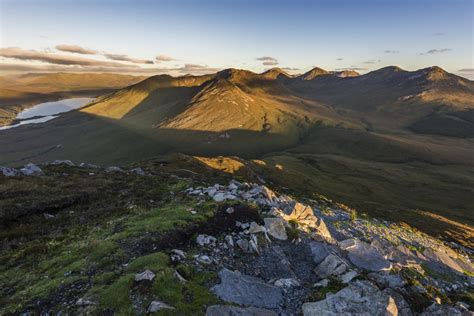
255, 228
441, 310
304, 216
177, 255
386, 280
254, 244
48, 216
88, 165
229, 210
84, 302
229, 240
219, 197
179, 277
228, 310
367, 257
138, 171
359, 298
442, 259
347, 244
113, 169
322, 283
276, 228
204, 259
31, 170
63, 162
156, 306
205, 240
246, 290
348, 276
287, 283
145, 275
319, 250
331, 265
244, 245
232, 186
8, 172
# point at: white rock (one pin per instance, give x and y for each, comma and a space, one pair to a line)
32, 170
204, 259
229, 240
276, 228
287, 283
84, 302
63, 162
255, 228
156, 306
322, 283
113, 169
229, 210
348, 276
219, 197
145, 275
138, 171
204, 240
177, 255
8, 172
180, 278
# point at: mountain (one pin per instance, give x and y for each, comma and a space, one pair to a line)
389, 142
19, 92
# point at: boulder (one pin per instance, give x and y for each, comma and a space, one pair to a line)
442, 310
319, 251
145, 275
31, 170
238, 288
228, 310
112, 169
348, 276
275, 228
331, 266
63, 162
8, 172
156, 306
255, 228
304, 216
359, 298
138, 171
367, 257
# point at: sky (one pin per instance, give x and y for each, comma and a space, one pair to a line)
203, 36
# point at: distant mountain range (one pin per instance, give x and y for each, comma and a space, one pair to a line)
388, 139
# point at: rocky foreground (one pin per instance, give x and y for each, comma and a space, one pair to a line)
234, 248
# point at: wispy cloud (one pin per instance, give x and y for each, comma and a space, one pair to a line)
268, 61
123, 57
164, 58
76, 49
391, 51
468, 70
195, 69
436, 51
438, 34
58, 59
340, 59
351, 68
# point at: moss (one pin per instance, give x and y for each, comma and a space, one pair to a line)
154, 262
292, 230
116, 296
333, 286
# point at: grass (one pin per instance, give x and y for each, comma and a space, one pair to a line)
333, 286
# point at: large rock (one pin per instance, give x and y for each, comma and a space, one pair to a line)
228, 310
63, 162
31, 170
332, 265
156, 306
365, 256
275, 228
359, 298
304, 216
246, 290
319, 251
8, 172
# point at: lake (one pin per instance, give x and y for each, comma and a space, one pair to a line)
46, 111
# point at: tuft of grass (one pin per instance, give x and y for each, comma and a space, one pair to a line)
333, 286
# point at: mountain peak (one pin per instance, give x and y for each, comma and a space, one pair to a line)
313, 73
434, 73
274, 73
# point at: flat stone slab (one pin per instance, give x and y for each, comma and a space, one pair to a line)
367, 257
238, 288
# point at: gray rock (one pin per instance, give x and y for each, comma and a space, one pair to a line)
331, 266
348, 276
31, 170
359, 298
255, 228
145, 275
441, 310
367, 257
276, 228
48, 216
177, 255
88, 165
113, 169
287, 283
386, 280
228, 310
322, 283
8, 172
246, 290
138, 171
204, 259
63, 162
244, 245
319, 250
229, 240
156, 306
229, 210
219, 197
205, 240
84, 302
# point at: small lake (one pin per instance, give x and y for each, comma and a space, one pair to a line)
46, 111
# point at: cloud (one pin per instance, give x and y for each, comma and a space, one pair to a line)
57, 59
195, 69
437, 51
391, 51
123, 57
340, 59
438, 34
290, 69
369, 62
76, 49
468, 70
268, 61
164, 58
